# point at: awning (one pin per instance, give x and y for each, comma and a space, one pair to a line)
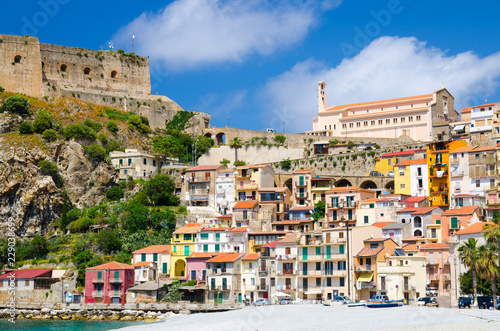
313, 292
459, 127
365, 277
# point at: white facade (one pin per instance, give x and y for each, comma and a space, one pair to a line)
419, 180
145, 272
224, 184
249, 279
133, 163
238, 239
286, 268
481, 119
459, 173
212, 241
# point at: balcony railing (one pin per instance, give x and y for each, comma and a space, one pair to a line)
310, 288
115, 280
114, 294
334, 272
262, 287
97, 280
311, 257
285, 273
97, 294
301, 194
199, 179
198, 191
287, 257
486, 173
217, 271
366, 267
307, 273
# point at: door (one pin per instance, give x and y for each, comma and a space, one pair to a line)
405, 287
186, 250
165, 268
328, 252
288, 283
193, 275
304, 285
117, 275
407, 298
304, 253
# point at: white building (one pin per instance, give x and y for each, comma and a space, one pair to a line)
249, 276
286, 268
212, 240
238, 238
160, 254
145, 272
224, 278
481, 120
135, 164
482, 162
225, 190
459, 171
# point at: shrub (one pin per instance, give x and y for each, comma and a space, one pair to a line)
96, 126
286, 164
1, 88
79, 131
48, 168
160, 190
350, 143
96, 152
81, 224
43, 121
49, 135
113, 145
114, 194
102, 137
108, 241
25, 128
112, 126
138, 123
17, 105
239, 163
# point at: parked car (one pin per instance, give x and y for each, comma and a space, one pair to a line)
379, 298
431, 292
498, 305
427, 302
344, 300
484, 301
465, 302
285, 301
390, 173
261, 302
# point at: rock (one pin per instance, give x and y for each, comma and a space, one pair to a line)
45, 311
128, 318
66, 317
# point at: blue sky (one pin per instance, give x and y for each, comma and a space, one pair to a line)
257, 62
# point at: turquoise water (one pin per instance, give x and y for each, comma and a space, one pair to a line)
59, 325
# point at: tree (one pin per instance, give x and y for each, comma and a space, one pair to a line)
280, 139
49, 135
492, 234
468, 252
17, 105
179, 122
138, 124
108, 241
239, 163
318, 211
333, 142
79, 131
225, 162
102, 137
466, 288
173, 294
114, 194
94, 125
286, 164
160, 190
113, 145
25, 128
488, 268
236, 143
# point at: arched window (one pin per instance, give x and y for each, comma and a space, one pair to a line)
417, 222
403, 221
18, 59
63, 68
86, 71
114, 74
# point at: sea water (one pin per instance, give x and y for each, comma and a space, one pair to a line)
60, 325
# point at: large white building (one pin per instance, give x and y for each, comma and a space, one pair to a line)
413, 116
225, 190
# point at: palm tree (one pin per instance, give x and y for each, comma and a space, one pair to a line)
492, 234
236, 143
468, 255
488, 268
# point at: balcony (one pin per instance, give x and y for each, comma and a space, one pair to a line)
288, 257
310, 273
97, 280
311, 258
221, 191
247, 187
217, 271
199, 179
435, 174
114, 294
285, 288
262, 287
365, 285
486, 173
310, 288
301, 195
336, 257
285, 273
340, 273
298, 183
198, 191
262, 268
115, 280
483, 160
459, 173
97, 294
367, 267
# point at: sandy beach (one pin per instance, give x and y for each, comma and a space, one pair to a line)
318, 317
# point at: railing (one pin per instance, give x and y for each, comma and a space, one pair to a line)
262, 287
307, 273
335, 257
285, 288
115, 280
287, 257
482, 160
301, 194
247, 187
299, 183
486, 173
367, 267
310, 288
199, 191
114, 294
97, 280
438, 261
310, 257
217, 271
198, 179
285, 273
334, 272
97, 294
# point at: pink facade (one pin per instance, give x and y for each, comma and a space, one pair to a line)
437, 257
342, 202
108, 283
196, 267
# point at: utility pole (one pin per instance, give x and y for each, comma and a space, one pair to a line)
133, 38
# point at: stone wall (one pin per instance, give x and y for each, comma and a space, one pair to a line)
250, 154
25, 76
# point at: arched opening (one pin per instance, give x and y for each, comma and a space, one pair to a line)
86, 71
390, 186
43, 66
342, 183
288, 183
403, 221
63, 68
220, 138
417, 233
44, 76
208, 135
180, 268
18, 59
114, 74
368, 184
417, 222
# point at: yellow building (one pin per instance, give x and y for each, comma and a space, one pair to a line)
319, 186
385, 164
249, 179
438, 156
410, 177
182, 245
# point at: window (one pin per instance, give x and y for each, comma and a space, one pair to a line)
410, 119
342, 281
387, 121
245, 215
318, 250
204, 236
288, 250
373, 123
418, 117
143, 257
358, 124
86, 71
63, 68
402, 185
394, 120
365, 123
328, 281
402, 119
341, 249
344, 126
26, 282
318, 281
380, 122
366, 219
318, 265
351, 125
478, 183
144, 161
114, 74
18, 59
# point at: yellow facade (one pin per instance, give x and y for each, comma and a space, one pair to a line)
438, 161
182, 245
402, 179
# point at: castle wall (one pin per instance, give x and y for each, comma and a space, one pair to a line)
25, 76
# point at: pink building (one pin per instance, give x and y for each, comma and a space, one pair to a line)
412, 116
196, 267
108, 283
342, 202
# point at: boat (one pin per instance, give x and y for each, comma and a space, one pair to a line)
357, 304
386, 304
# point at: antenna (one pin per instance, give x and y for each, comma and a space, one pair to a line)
110, 45
133, 38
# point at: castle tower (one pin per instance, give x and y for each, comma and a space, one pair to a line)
322, 104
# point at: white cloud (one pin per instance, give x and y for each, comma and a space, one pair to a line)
389, 67
190, 33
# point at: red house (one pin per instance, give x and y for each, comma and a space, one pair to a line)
108, 283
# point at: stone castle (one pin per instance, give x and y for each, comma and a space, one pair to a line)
108, 78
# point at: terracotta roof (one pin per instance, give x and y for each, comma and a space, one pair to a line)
271, 244
410, 162
410, 247
477, 227
263, 233
153, 249
226, 170
381, 224
345, 188
112, 266
272, 189
367, 251
239, 229
434, 245
251, 257
253, 166
487, 104
291, 239
414, 199
376, 240
402, 153
201, 255
466, 110
205, 168
302, 171
467, 210
291, 222
417, 210
245, 204
214, 229
412, 238
26, 273
225, 216
485, 149
370, 200
188, 229
296, 208
373, 103
225, 257
465, 149
142, 263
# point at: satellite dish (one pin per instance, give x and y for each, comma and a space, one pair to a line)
151, 265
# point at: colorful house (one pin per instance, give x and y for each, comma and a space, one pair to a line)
319, 186
224, 278
410, 177
160, 254
418, 217
286, 268
200, 188
249, 277
225, 190
108, 283
183, 241
249, 179
438, 265
385, 164
212, 240
301, 187
196, 266
278, 198
342, 203
245, 213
